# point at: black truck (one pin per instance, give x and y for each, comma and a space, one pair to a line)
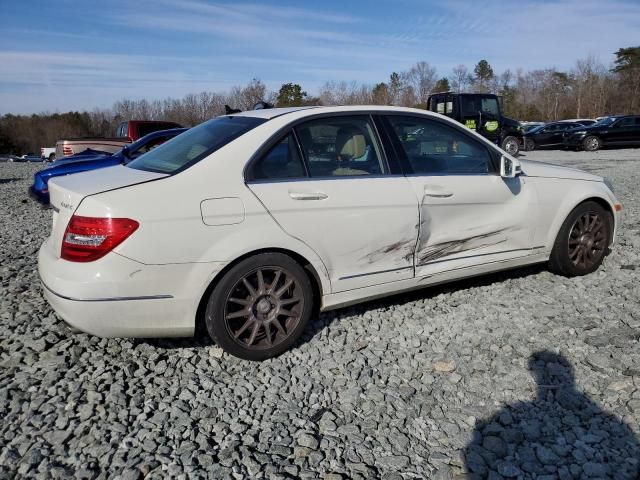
480, 112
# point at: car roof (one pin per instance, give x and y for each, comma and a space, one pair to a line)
270, 113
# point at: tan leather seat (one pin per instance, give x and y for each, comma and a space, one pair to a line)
350, 143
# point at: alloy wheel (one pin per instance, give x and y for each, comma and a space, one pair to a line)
587, 240
263, 308
512, 147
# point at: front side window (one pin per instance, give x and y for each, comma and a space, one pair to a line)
432, 148
281, 162
340, 146
194, 144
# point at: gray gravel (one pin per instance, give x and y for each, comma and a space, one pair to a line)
432, 384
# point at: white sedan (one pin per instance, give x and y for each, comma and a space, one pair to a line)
250, 223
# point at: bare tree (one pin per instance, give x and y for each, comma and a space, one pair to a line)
460, 79
422, 78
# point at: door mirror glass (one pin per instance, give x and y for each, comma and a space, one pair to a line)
509, 167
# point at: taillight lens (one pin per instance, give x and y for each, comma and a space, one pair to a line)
87, 238
67, 151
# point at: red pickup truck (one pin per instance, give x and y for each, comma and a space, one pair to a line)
126, 132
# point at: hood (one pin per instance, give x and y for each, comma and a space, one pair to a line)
511, 122
533, 168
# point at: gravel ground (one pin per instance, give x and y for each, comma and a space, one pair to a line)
522, 374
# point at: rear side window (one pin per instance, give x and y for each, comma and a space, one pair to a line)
432, 148
340, 146
195, 144
281, 162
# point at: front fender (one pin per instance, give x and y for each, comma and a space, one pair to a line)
558, 197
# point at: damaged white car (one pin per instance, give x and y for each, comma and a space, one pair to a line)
249, 223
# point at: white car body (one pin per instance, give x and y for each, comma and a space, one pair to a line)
364, 237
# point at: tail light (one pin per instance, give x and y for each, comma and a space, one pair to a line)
67, 151
87, 238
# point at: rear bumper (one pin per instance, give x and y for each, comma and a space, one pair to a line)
118, 297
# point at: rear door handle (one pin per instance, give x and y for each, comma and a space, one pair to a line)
308, 195
437, 193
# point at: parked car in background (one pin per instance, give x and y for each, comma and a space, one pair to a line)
48, 154
528, 126
94, 160
581, 121
29, 157
248, 223
621, 131
126, 132
548, 135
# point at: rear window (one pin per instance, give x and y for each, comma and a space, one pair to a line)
193, 145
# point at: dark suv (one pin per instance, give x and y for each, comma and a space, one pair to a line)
610, 131
480, 112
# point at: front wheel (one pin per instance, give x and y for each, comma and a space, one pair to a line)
511, 145
591, 143
529, 145
582, 241
260, 307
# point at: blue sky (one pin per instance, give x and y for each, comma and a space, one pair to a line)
63, 55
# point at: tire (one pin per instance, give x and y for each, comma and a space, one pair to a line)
529, 145
591, 144
582, 241
252, 313
52, 157
511, 145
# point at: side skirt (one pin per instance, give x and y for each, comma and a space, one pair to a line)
351, 297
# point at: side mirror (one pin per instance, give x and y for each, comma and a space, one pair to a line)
509, 168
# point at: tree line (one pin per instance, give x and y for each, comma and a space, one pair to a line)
589, 89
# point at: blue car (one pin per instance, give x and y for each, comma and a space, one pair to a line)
94, 159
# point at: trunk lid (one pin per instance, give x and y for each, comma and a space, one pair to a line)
66, 193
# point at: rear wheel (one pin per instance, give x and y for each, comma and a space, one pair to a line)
52, 157
511, 145
260, 307
582, 241
591, 143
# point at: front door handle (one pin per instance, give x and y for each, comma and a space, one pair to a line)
308, 195
437, 193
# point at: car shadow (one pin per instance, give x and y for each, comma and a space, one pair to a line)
561, 433
10, 180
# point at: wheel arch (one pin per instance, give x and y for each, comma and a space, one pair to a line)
312, 273
600, 200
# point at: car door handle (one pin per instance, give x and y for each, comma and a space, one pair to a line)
308, 195
437, 193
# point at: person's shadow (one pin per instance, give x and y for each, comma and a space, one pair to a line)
560, 434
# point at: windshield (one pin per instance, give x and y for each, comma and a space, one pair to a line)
195, 144
604, 121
